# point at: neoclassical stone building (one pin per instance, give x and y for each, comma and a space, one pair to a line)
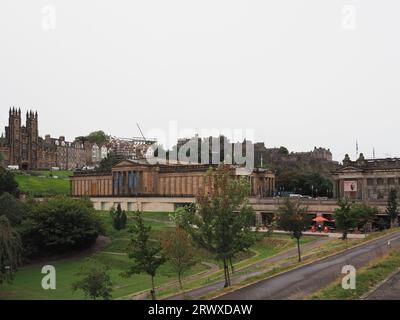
367, 179
133, 178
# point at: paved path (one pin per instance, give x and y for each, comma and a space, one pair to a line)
388, 290
236, 278
302, 281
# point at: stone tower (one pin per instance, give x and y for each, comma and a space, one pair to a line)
14, 135
32, 132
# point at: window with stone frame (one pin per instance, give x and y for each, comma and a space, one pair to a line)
391, 181
370, 181
379, 181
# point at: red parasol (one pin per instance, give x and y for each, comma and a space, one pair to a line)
320, 219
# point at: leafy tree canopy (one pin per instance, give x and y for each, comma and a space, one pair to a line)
58, 225
97, 137
7, 182
94, 281
12, 208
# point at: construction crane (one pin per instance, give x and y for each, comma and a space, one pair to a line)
141, 132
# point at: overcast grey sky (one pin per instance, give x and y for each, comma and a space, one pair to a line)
301, 73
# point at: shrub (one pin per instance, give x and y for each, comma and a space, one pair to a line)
59, 225
12, 208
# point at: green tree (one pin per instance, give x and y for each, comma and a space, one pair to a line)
221, 222
292, 217
392, 207
10, 250
94, 281
119, 218
12, 208
146, 253
8, 183
345, 217
179, 251
106, 164
283, 151
97, 137
364, 213
59, 224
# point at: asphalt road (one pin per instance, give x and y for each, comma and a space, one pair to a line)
389, 290
302, 281
199, 292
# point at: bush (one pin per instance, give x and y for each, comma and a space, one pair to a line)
12, 208
59, 225
7, 182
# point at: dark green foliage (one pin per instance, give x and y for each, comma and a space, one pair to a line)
364, 214
12, 208
305, 183
119, 218
283, 150
10, 250
146, 253
345, 218
351, 215
392, 207
94, 281
97, 137
8, 183
293, 218
106, 164
59, 225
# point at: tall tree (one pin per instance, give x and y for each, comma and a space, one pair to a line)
292, 217
119, 218
10, 250
221, 222
146, 253
94, 281
392, 207
345, 218
179, 251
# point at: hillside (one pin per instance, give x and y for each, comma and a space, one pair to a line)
43, 183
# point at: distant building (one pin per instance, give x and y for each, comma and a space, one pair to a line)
263, 155
367, 179
22, 146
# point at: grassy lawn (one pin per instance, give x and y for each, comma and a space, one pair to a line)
367, 278
27, 283
43, 183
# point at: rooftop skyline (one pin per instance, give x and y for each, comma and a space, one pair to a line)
299, 74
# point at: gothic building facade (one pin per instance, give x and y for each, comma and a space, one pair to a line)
23, 147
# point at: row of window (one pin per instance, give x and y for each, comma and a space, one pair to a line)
382, 181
